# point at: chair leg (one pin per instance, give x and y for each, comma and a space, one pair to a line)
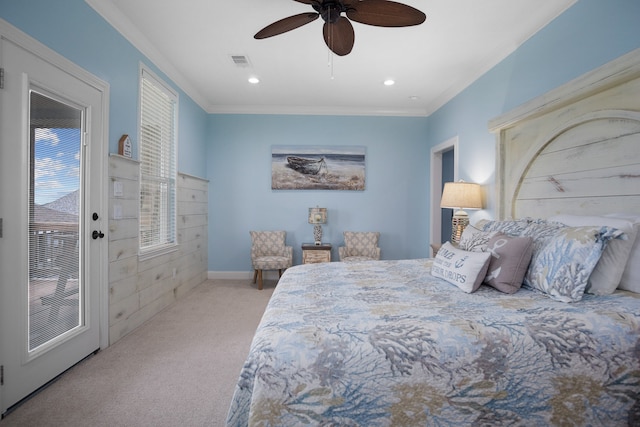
255, 275
259, 280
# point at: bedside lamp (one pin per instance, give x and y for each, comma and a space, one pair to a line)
317, 216
460, 195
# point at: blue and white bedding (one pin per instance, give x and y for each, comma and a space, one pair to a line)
385, 343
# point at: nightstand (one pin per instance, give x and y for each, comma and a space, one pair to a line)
312, 253
435, 247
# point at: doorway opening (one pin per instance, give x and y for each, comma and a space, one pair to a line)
444, 168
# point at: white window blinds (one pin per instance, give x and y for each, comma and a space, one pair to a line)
158, 117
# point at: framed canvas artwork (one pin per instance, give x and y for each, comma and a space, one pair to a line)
317, 167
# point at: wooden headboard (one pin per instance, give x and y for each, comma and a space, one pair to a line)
574, 150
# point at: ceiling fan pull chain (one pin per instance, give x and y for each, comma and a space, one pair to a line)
330, 47
331, 62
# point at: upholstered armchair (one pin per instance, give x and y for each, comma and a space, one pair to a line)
269, 252
359, 246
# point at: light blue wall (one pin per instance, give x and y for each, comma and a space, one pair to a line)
241, 199
77, 32
233, 151
589, 34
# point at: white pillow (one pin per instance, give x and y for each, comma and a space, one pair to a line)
608, 273
464, 269
631, 276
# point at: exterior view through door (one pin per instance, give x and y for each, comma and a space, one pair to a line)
55, 294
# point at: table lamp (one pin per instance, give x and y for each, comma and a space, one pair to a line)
317, 216
460, 195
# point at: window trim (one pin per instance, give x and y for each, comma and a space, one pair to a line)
168, 247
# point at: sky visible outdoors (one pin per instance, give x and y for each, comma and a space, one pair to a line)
57, 163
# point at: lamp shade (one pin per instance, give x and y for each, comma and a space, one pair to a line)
317, 215
461, 195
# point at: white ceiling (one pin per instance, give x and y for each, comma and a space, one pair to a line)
192, 42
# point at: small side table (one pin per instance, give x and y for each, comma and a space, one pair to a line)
435, 247
312, 253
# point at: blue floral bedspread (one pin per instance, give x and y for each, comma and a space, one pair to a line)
384, 343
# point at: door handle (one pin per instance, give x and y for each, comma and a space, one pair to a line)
97, 234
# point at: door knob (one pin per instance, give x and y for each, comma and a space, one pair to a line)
97, 234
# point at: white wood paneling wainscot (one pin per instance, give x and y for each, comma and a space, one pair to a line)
140, 288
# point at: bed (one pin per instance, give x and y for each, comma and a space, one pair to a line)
417, 342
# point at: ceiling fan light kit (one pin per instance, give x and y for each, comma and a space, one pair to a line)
337, 31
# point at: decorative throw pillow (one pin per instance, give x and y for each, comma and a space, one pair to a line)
475, 240
561, 266
464, 269
539, 229
510, 257
631, 276
479, 225
607, 274
542, 230
510, 227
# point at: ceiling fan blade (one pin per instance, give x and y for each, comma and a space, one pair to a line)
286, 24
385, 13
339, 36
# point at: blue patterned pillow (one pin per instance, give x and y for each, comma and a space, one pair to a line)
607, 274
564, 257
510, 227
474, 239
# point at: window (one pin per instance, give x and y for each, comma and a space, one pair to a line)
158, 117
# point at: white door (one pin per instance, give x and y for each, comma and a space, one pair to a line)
51, 191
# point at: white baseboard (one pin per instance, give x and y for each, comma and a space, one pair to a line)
240, 275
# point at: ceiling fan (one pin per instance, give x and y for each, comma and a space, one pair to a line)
338, 31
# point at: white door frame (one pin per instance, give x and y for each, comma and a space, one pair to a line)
34, 47
435, 227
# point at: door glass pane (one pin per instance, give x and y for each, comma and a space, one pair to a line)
55, 288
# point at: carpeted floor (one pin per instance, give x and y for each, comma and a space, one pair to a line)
178, 369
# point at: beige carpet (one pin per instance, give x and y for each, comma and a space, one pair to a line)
178, 369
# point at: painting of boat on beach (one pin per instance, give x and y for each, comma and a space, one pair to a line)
305, 167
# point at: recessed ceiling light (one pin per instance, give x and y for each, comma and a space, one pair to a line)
414, 98
254, 80
389, 82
